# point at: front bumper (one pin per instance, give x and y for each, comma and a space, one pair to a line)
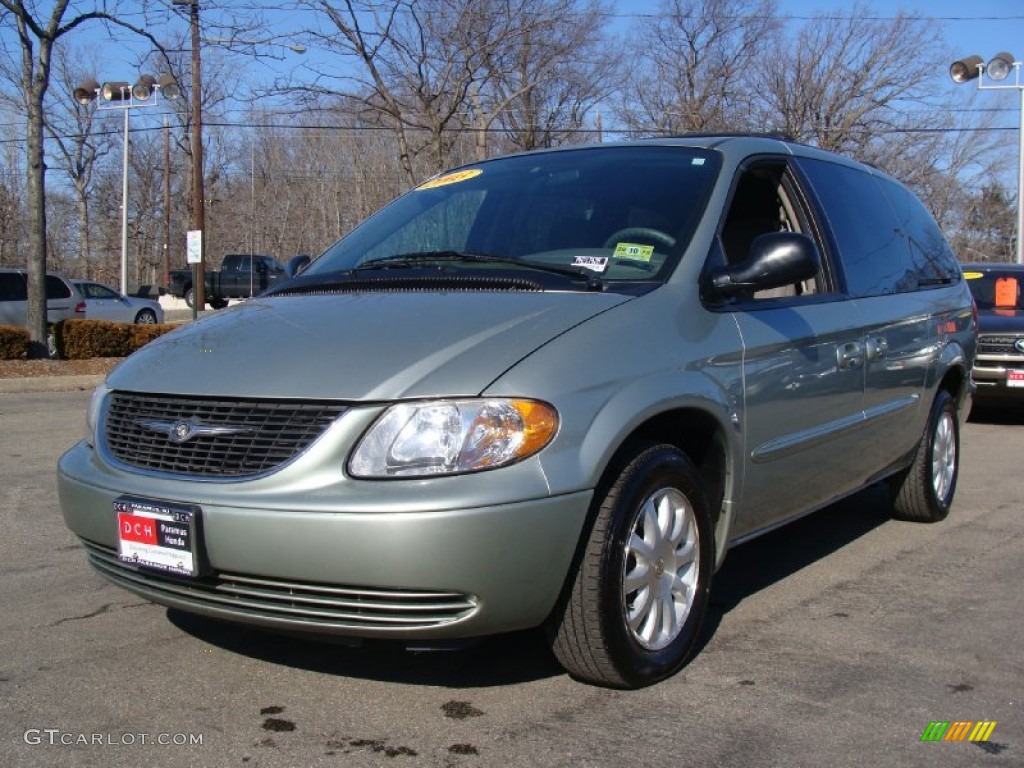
993, 380
386, 571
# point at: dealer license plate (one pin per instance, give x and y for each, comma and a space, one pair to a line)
1015, 377
157, 535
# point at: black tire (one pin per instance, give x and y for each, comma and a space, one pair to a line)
190, 297
924, 493
217, 303
590, 629
146, 317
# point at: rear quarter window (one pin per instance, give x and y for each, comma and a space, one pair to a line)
57, 288
930, 254
12, 287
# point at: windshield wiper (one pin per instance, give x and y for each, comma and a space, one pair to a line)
418, 258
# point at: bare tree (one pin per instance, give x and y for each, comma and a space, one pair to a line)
846, 79
80, 140
553, 68
692, 66
30, 68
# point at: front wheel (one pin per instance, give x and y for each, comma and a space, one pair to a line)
190, 297
634, 606
925, 492
146, 317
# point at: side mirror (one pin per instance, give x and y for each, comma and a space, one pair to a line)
296, 264
776, 259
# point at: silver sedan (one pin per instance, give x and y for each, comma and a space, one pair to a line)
103, 303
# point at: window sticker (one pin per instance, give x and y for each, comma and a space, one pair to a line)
593, 263
633, 251
450, 178
973, 275
1006, 292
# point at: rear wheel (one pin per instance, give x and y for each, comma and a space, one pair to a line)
190, 297
146, 317
925, 492
218, 303
634, 606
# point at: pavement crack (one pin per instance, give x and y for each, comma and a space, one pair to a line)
101, 610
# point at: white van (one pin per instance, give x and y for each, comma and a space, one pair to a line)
63, 301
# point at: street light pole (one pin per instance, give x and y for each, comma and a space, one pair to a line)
990, 77
124, 209
123, 96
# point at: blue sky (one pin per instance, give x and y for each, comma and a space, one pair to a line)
985, 28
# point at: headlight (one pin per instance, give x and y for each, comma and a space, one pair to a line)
445, 437
92, 416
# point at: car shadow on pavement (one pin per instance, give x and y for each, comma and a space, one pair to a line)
1010, 414
520, 657
507, 659
760, 563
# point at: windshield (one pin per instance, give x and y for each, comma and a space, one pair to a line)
625, 213
994, 289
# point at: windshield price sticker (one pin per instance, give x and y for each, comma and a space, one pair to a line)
450, 178
156, 536
593, 263
633, 251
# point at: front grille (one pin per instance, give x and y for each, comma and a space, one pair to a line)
999, 345
231, 438
320, 606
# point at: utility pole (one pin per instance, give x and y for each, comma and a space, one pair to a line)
198, 212
198, 204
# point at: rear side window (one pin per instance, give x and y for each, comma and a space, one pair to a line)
56, 288
872, 249
930, 254
996, 290
12, 287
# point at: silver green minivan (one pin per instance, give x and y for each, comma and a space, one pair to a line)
545, 390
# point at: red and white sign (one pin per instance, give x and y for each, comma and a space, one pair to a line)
152, 535
136, 528
1015, 378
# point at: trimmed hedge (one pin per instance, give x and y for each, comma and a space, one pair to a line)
13, 342
84, 339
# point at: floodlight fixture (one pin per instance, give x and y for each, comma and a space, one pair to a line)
1000, 66
86, 92
116, 90
143, 87
966, 68
169, 87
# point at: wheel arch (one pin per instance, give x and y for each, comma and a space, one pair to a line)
703, 424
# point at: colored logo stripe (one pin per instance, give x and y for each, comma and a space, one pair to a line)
958, 730
983, 730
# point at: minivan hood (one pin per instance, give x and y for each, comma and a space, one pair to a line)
361, 346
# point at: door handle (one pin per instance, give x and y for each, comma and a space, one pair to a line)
850, 355
877, 348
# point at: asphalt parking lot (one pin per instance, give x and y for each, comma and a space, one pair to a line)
833, 642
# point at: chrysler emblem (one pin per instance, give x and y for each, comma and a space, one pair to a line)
185, 429
1019, 345
181, 432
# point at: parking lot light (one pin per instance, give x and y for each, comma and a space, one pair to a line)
990, 77
966, 68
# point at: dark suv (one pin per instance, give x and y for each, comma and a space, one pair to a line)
999, 366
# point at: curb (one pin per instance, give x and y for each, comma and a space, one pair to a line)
50, 384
